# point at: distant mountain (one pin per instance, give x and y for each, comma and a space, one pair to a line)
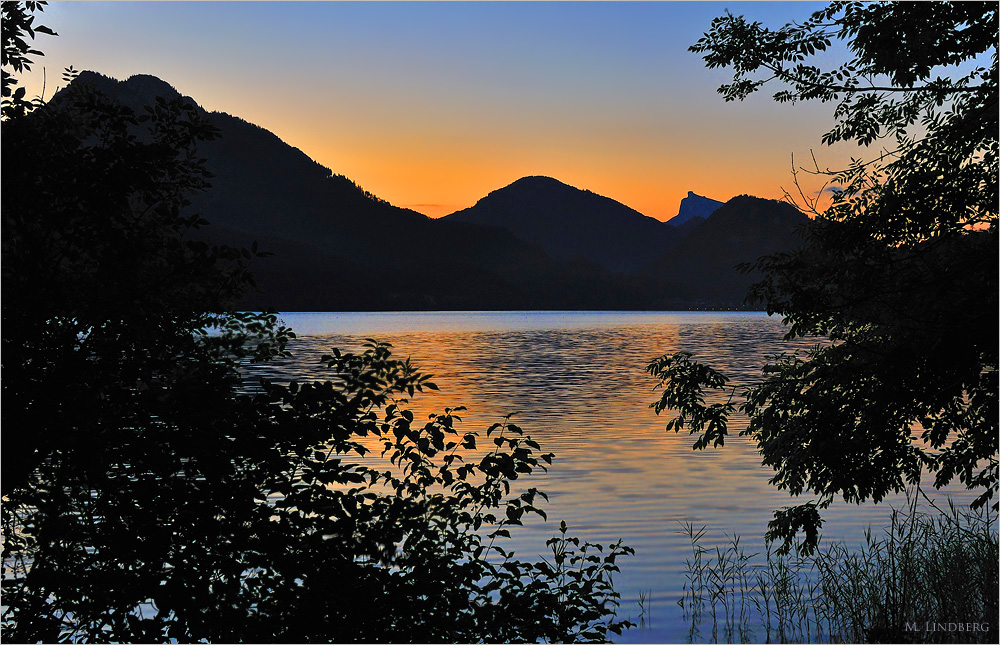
694, 207
263, 185
742, 230
536, 244
338, 247
373, 254
571, 223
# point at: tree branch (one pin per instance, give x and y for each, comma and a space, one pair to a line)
791, 78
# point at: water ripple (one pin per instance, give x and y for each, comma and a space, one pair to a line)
578, 383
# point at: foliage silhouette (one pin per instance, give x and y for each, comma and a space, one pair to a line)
928, 561
20, 24
898, 279
152, 495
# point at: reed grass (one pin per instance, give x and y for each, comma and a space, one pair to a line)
645, 618
926, 573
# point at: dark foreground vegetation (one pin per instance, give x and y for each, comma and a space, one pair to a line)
897, 280
898, 284
931, 576
150, 495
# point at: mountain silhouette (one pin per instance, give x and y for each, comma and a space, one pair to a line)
742, 230
536, 244
571, 223
262, 185
693, 210
335, 233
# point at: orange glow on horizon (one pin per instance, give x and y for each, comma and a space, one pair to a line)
443, 186
482, 94
439, 170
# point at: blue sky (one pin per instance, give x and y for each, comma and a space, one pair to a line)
433, 105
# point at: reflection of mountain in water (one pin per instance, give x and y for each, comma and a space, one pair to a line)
536, 244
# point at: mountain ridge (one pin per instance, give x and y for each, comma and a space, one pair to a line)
742, 230
569, 222
694, 206
339, 247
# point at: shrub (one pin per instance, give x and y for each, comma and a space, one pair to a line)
351, 522
149, 497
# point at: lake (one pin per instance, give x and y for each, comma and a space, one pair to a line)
578, 384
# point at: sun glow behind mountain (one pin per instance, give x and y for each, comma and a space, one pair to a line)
431, 106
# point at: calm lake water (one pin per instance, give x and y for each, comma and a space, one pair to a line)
578, 385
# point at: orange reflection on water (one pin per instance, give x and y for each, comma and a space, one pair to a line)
578, 384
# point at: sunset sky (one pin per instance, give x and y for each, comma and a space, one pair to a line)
433, 105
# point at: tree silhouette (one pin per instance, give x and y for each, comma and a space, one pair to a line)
151, 495
16, 55
899, 277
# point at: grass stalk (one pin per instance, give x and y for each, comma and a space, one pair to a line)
929, 571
